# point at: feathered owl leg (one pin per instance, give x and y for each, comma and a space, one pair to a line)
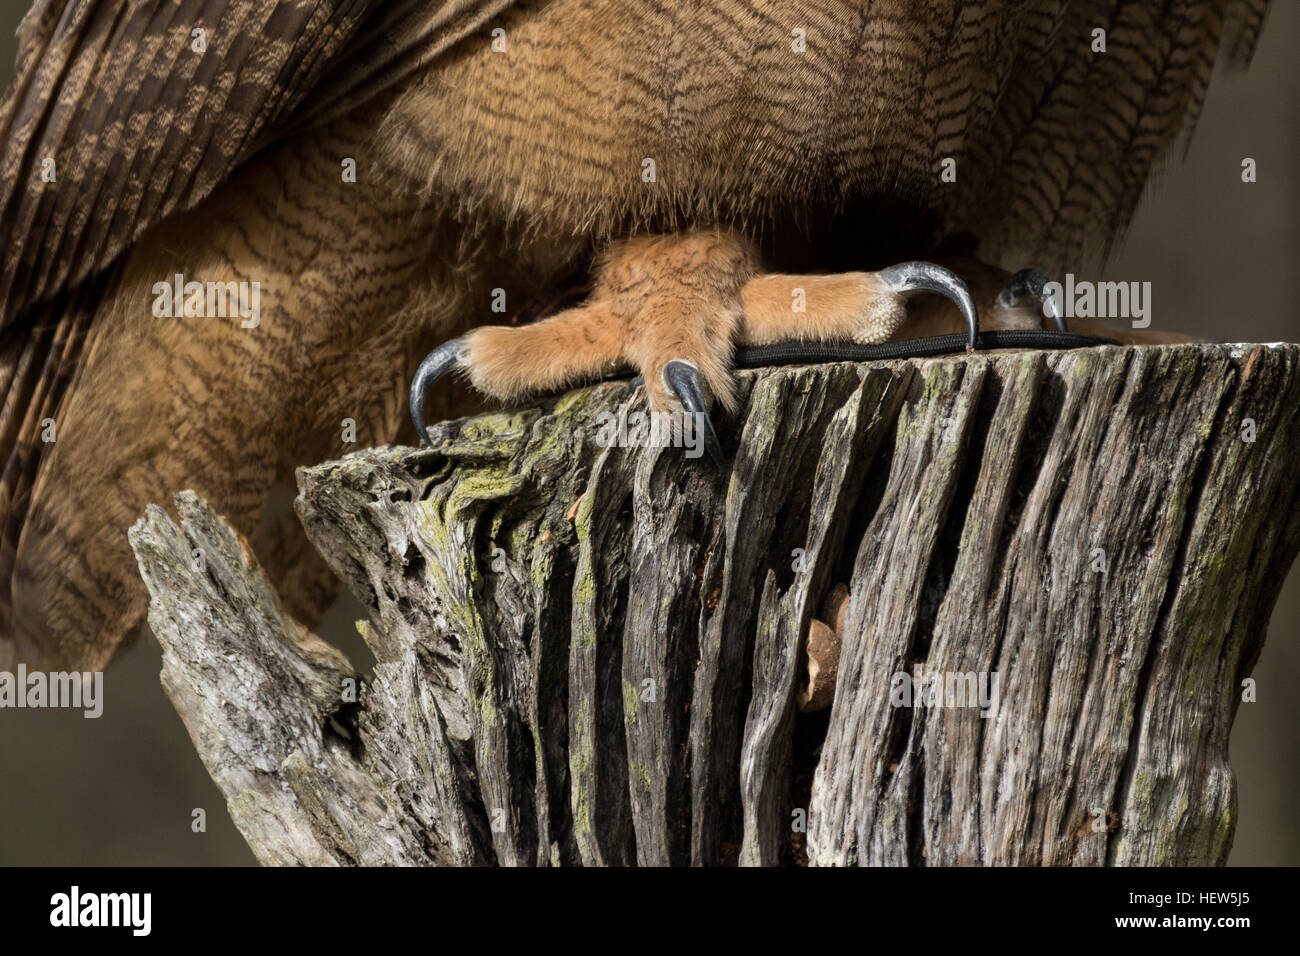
674, 307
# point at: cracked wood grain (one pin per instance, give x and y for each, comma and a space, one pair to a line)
591, 655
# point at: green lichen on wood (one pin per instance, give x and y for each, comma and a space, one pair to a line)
957, 497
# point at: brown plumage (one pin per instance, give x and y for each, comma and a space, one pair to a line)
482, 169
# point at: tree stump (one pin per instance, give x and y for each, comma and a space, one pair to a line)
591, 655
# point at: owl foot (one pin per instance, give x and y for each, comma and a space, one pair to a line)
1025, 288
674, 308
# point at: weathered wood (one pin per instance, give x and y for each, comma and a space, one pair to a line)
592, 654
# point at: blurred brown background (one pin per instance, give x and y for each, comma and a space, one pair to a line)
1221, 256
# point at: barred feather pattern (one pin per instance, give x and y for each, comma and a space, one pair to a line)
1052, 141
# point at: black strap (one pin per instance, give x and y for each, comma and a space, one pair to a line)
810, 353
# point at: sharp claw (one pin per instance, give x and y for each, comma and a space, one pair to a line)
682, 378
435, 365
928, 277
1028, 284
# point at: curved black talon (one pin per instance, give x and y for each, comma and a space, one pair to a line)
928, 277
1027, 285
682, 378
435, 365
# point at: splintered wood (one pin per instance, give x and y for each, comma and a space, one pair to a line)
1061, 568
